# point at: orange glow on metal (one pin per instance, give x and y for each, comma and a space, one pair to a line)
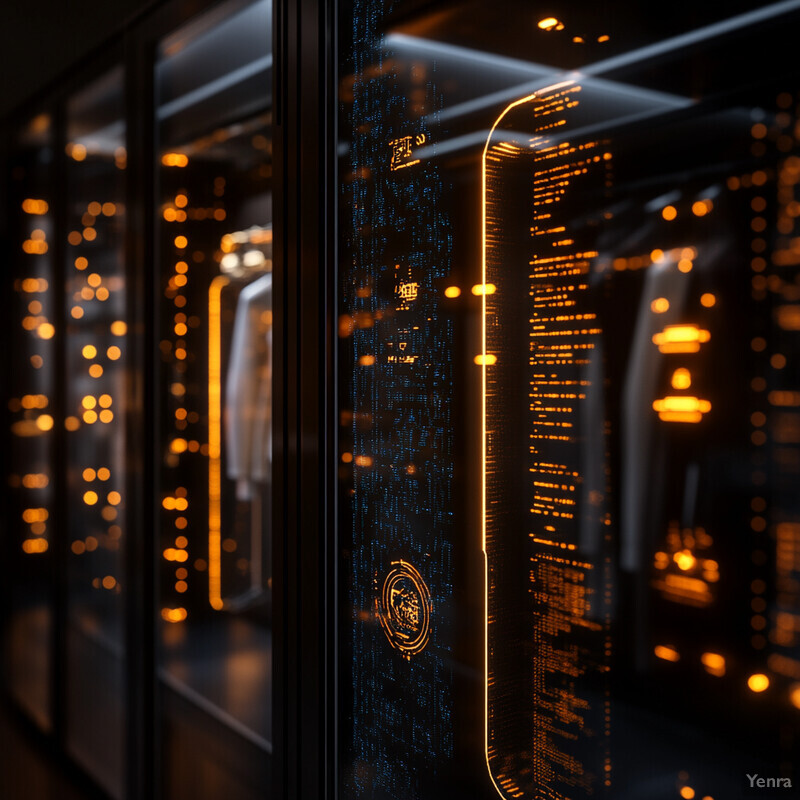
215, 441
681, 339
666, 653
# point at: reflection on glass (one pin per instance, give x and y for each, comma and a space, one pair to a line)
94, 421
215, 239
568, 327
30, 402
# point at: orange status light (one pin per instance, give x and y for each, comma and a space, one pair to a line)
669, 213
487, 359
714, 664
758, 683
173, 614
174, 160
666, 653
681, 408
681, 379
659, 305
452, 291
681, 339
483, 288
548, 23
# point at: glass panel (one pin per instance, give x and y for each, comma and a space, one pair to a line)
95, 422
569, 389
32, 348
215, 335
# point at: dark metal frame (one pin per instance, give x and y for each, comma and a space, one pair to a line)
305, 590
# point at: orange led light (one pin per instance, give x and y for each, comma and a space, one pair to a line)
681, 408
174, 160
35, 545
669, 213
44, 422
714, 664
708, 300
666, 653
758, 683
452, 291
681, 379
486, 360
548, 23
659, 305
681, 339
174, 614
483, 288
215, 441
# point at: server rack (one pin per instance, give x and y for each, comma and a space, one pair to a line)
399, 134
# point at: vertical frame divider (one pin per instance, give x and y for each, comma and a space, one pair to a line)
142, 741
59, 562
304, 552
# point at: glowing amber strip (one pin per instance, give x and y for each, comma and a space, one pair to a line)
681, 409
215, 441
681, 339
483, 425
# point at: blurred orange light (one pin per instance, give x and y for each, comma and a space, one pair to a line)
666, 653
758, 682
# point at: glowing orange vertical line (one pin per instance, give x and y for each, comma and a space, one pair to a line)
215, 441
483, 423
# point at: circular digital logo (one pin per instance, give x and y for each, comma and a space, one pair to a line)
404, 609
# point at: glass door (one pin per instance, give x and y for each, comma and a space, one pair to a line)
30, 524
567, 386
214, 235
95, 454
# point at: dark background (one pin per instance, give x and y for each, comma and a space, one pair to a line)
39, 39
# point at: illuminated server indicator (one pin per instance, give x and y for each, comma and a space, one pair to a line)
545, 528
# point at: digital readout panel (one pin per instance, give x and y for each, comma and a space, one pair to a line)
546, 525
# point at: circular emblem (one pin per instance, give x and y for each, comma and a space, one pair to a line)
404, 609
